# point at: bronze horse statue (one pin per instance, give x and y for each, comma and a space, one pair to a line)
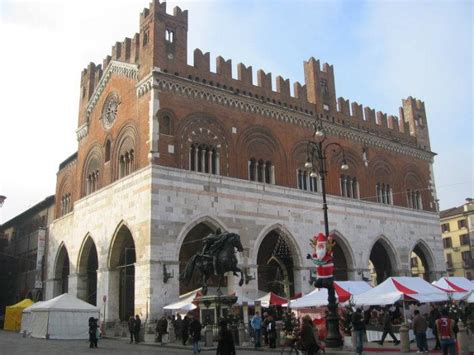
217, 258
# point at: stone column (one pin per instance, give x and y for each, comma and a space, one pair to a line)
81, 283
404, 339
218, 163
462, 338
108, 285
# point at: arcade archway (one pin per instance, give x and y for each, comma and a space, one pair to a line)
192, 244
61, 272
382, 262
275, 261
87, 271
421, 262
342, 257
122, 281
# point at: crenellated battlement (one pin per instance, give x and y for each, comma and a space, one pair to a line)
162, 43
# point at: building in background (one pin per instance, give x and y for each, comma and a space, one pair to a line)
457, 227
169, 152
23, 247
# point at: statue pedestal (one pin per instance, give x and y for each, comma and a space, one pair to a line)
212, 308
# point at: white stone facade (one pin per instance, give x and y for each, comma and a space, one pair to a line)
161, 205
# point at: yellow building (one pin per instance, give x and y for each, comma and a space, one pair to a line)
457, 226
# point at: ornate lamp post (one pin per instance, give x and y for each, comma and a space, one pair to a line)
317, 165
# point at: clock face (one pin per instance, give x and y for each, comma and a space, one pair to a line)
110, 109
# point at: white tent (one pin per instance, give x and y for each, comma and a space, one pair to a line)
319, 297
63, 317
458, 288
26, 317
400, 288
185, 303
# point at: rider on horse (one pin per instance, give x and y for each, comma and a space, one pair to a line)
212, 243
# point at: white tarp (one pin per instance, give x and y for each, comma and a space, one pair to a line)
459, 288
185, 303
319, 297
400, 288
63, 317
26, 317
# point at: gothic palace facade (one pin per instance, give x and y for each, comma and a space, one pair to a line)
169, 152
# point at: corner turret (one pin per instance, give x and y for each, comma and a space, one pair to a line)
415, 115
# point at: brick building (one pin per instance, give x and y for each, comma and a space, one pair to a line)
169, 152
22, 253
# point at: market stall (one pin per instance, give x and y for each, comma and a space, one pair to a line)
185, 303
272, 299
13, 315
458, 288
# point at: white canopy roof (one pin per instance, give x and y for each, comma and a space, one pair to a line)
319, 297
33, 306
185, 302
64, 302
399, 288
458, 287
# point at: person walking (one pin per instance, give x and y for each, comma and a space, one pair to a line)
445, 329
131, 328
178, 325
387, 327
271, 331
358, 327
307, 337
161, 328
92, 333
225, 344
256, 325
419, 328
185, 330
195, 328
136, 329
435, 315
264, 328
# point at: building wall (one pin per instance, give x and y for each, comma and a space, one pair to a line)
180, 200
459, 266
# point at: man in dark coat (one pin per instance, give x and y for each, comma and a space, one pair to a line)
195, 328
92, 332
136, 329
271, 331
178, 325
161, 328
185, 330
358, 327
307, 338
387, 327
131, 328
225, 345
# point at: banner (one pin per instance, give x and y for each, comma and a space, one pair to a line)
39, 257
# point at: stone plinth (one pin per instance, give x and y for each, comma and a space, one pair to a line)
214, 307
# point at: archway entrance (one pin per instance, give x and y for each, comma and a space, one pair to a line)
275, 265
191, 245
122, 260
420, 262
62, 272
380, 262
87, 270
340, 264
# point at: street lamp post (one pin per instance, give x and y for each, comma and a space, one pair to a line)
316, 163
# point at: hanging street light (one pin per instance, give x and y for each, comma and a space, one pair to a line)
316, 165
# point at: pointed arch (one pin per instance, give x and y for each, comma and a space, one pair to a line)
348, 261
211, 221
422, 250
87, 266
293, 244
62, 268
116, 244
384, 258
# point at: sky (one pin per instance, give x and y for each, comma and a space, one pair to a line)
382, 52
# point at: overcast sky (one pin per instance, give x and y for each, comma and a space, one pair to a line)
382, 51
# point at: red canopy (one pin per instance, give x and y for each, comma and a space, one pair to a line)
272, 299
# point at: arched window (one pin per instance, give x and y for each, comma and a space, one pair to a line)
92, 175
307, 182
126, 163
204, 158
349, 186
165, 125
261, 171
414, 199
384, 193
107, 151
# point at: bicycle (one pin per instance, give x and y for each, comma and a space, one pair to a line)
292, 346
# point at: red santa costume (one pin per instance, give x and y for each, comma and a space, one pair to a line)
322, 258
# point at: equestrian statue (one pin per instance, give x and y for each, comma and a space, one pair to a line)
216, 258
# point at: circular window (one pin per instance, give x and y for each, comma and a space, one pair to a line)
109, 111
